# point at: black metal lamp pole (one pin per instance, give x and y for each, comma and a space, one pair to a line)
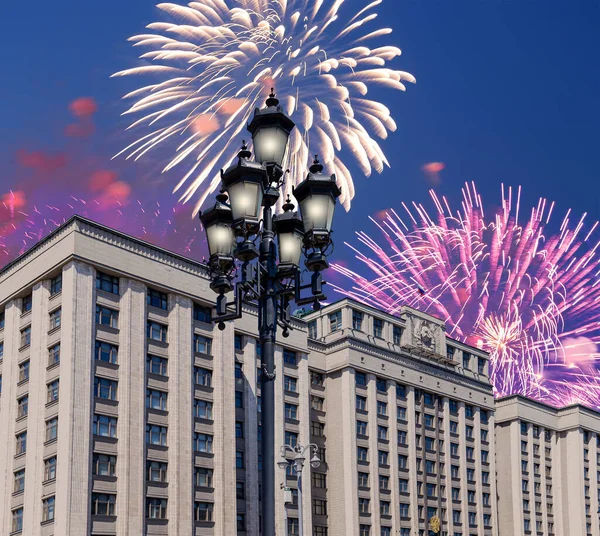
271, 285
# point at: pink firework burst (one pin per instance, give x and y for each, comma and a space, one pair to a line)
501, 282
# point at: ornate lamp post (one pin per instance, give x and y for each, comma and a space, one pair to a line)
233, 228
298, 460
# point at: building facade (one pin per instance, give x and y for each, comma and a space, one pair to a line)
549, 482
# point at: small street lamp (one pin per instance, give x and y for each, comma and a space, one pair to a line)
235, 226
299, 458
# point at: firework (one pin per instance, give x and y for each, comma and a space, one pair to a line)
215, 61
501, 282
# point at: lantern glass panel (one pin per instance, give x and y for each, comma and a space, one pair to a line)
220, 239
270, 144
245, 199
317, 212
290, 248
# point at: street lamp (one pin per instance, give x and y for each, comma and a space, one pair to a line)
298, 461
233, 228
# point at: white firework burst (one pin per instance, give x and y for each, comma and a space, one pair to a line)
214, 63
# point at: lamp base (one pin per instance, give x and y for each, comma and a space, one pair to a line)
316, 262
246, 251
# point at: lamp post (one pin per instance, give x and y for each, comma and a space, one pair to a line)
298, 461
233, 227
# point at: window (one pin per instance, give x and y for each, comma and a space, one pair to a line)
106, 352
381, 385
202, 344
485, 477
384, 510
335, 321
381, 408
480, 365
384, 482
105, 426
455, 494
48, 509
156, 299
453, 406
107, 283
50, 469
289, 357
319, 507
484, 436
156, 508
431, 490
382, 456
156, 365
382, 433
241, 522
357, 320
402, 437
291, 411
54, 355
471, 475
22, 406
363, 480
156, 471
19, 481
466, 360
107, 317
1, 350
316, 378
429, 467
203, 443
156, 399
454, 449
319, 480
483, 416
203, 376
526, 525
319, 531
312, 329
52, 388
239, 399
52, 429
157, 332
397, 335
202, 314
402, 461
292, 526
17, 520
105, 388
484, 456
400, 413
2, 319
203, 478
470, 454
21, 443
362, 454
361, 403
454, 471
469, 431
429, 420
404, 509
239, 459
524, 485
317, 428
290, 384
26, 336
378, 327
469, 412
239, 371
317, 403
156, 435
203, 511
103, 465
361, 379
103, 504
471, 496
27, 304
291, 438
363, 505
55, 319
203, 409
523, 427
403, 485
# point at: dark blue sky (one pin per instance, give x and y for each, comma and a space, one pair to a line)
506, 91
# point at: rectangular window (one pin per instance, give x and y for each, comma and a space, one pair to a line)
156, 508
239, 459
2, 319
361, 428
48, 509
469, 412
239, 430
103, 504
402, 461
455, 494
404, 509
430, 467
202, 314
317, 403
239, 399
291, 411
52, 429
156, 365
203, 443
378, 327
203, 376
105, 388
52, 395
382, 456
157, 332
241, 522
400, 413
156, 435
203, 511
402, 435
319, 480
317, 429
397, 335
106, 352
17, 520
312, 329
19, 481
156, 399
105, 426
157, 299
202, 344
480, 365
27, 304
107, 317
360, 378
24, 371
382, 433
485, 477
381, 385
156, 471
335, 321
289, 357
54, 355
203, 409
357, 320
469, 432
319, 507
22, 406
361, 403
362, 454
50, 469
363, 505
363, 480
290, 384
466, 360
381, 408
55, 319
203, 477
107, 283
26, 336
21, 443
431, 490
104, 465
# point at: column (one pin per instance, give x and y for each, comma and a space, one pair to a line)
73, 482
593, 446
412, 459
279, 437
181, 395
373, 452
251, 434
393, 437
448, 461
131, 426
304, 439
478, 467
493, 490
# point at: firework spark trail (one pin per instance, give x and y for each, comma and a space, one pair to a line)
500, 283
213, 63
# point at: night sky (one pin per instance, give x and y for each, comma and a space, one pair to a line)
507, 91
